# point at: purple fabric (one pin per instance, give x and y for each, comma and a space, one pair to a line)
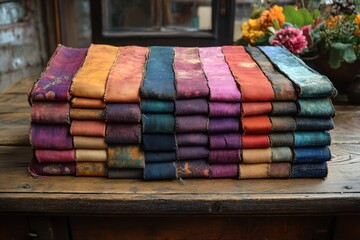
191, 106
190, 79
223, 87
224, 156
224, 109
223, 170
52, 169
123, 133
223, 125
197, 123
192, 139
54, 83
50, 136
187, 153
225, 141
123, 112
54, 155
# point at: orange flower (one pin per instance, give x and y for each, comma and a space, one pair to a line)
251, 30
268, 16
331, 21
357, 20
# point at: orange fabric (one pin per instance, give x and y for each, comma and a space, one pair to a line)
90, 80
77, 102
256, 124
91, 169
255, 141
254, 85
89, 142
255, 108
87, 128
126, 75
260, 170
260, 155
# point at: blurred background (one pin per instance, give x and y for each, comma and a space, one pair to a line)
31, 29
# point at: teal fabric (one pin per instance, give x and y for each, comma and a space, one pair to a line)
159, 76
310, 84
316, 107
312, 139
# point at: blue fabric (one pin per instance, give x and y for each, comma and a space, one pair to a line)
311, 139
318, 107
156, 106
310, 84
318, 170
313, 124
151, 157
311, 155
159, 76
159, 142
160, 171
158, 123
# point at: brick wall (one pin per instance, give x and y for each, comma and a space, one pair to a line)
22, 41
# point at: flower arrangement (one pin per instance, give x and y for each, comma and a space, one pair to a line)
333, 32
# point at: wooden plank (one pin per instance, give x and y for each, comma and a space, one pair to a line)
155, 227
347, 227
13, 227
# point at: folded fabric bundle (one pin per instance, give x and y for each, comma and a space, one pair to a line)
49, 97
158, 121
191, 114
123, 115
224, 111
172, 112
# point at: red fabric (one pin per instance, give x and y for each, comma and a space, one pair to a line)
256, 124
256, 108
255, 141
254, 85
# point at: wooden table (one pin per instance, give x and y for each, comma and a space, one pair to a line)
59, 207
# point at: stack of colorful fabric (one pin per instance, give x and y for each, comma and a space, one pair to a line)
50, 116
224, 114
88, 125
315, 111
123, 116
158, 121
191, 114
169, 112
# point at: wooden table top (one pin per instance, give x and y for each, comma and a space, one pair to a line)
337, 194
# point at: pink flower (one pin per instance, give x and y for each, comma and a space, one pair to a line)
306, 30
291, 38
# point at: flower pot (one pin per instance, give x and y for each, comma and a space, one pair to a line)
343, 78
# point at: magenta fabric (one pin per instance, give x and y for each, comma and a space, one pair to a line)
224, 109
190, 124
223, 170
190, 79
50, 136
52, 169
187, 153
223, 87
55, 155
225, 156
191, 106
225, 141
223, 125
54, 83
192, 139
50, 112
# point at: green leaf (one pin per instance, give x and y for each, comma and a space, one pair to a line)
242, 42
276, 24
340, 52
271, 30
293, 16
315, 13
262, 41
307, 18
